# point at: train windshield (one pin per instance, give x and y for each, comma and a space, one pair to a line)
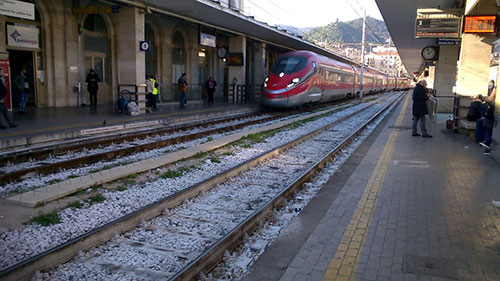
289, 64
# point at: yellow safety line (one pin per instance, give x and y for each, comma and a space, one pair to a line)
344, 264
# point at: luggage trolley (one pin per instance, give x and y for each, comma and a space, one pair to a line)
126, 94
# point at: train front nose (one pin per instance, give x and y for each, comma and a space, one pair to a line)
274, 94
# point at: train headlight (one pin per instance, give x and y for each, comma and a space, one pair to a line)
265, 82
281, 74
293, 82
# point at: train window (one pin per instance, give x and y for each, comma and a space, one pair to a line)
289, 64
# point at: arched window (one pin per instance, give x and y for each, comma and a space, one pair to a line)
96, 46
177, 56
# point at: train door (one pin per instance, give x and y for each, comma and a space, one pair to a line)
19, 60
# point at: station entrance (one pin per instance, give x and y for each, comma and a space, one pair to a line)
18, 60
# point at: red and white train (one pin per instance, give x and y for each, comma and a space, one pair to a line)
304, 77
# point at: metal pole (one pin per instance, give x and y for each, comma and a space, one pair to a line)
362, 55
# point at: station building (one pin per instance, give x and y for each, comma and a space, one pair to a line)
60, 40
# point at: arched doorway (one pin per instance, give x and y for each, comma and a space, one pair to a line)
178, 60
96, 53
151, 65
25, 54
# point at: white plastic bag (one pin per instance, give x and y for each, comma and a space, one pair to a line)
133, 108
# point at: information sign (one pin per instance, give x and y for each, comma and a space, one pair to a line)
437, 23
479, 24
18, 9
207, 40
234, 59
109, 9
145, 46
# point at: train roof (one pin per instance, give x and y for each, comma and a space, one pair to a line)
338, 64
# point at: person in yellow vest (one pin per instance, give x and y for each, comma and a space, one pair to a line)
155, 92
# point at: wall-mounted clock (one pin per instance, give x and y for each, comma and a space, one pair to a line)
221, 52
430, 53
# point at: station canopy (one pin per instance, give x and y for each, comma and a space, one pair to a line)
213, 14
399, 16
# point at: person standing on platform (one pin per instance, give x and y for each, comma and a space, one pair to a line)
182, 84
420, 97
92, 86
3, 100
22, 88
210, 87
154, 93
149, 91
489, 118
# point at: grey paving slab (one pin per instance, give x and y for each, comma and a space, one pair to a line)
434, 202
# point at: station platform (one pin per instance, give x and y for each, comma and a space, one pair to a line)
401, 208
42, 125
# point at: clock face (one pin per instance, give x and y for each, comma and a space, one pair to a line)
221, 53
429, 53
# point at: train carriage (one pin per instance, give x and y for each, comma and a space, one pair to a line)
303, 77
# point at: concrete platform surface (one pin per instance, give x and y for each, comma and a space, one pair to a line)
42, 125
401, 208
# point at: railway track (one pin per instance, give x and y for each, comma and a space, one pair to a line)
241, 207
65, 147
129, 145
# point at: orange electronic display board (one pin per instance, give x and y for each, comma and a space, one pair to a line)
479, 24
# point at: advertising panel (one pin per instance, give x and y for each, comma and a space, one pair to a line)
5, 69
22, 36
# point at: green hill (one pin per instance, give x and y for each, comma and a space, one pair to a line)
350, 32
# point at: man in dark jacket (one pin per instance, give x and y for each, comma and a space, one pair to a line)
420, 98
92, 86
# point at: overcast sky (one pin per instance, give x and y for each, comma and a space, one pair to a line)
309, 13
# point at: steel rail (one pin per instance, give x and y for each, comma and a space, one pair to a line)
207, 260
58, 149
107, 155
23, 270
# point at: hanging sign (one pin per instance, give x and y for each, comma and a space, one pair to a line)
22, 36
479, 24
207, 40
18, 9
448, 41
109, 9
436, 23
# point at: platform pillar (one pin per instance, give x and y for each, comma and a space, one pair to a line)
260, 63
131, 61
236, 73
445, 79
475, 53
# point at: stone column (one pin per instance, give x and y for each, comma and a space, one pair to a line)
131, 61
237, 45
260, 63
475, 55
445, 79
475, 64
